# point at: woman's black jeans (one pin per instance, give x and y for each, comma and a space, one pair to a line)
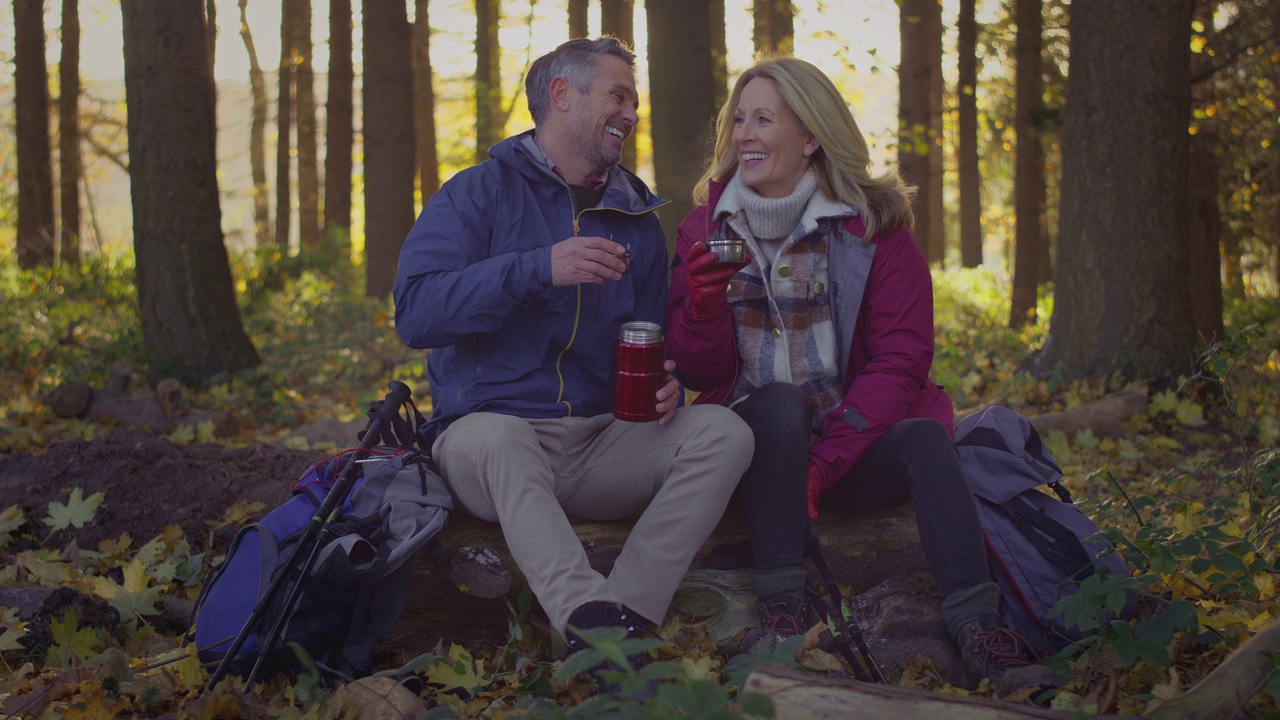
915, 459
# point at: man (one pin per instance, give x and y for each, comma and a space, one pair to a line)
519, 273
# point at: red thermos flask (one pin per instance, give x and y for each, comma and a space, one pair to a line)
638, 374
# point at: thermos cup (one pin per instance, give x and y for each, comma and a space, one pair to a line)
638, 374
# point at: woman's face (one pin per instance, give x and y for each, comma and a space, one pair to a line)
773, 148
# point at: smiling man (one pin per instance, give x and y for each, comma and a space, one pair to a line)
519, 274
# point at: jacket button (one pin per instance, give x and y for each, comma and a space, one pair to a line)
784, 271
819, 288
777, 332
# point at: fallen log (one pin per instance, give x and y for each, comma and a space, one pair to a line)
159, 411
1230, 685
463, 592
800, 696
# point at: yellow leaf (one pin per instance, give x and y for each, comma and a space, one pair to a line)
700, 669
1262, 620
204, 432
1197, 44
1266, 584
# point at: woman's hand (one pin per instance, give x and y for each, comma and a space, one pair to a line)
708, 281
815, 486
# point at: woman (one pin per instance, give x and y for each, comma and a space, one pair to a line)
822, 341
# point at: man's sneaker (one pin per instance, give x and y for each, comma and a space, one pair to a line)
597, 614
783, 615
991, 649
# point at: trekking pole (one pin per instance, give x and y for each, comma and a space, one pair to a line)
324, 516
845, 624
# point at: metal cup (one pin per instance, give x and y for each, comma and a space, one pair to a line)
728, 251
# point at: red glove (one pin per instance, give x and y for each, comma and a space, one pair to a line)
815, 486
708, 281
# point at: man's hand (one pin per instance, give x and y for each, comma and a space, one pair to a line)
589, 259
668, 394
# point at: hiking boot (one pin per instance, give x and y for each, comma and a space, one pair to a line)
990, 649
597, 614
782, 615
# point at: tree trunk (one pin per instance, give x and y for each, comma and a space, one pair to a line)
257, 136
339, 130
719, 54
284, 123
424, 104
488, 77
190, 322
915, 136
682, 97
1204, 226
69, 169
35, 232
774, 25
578, 18
967, 142
617, 18
308, 166
937, 225
211, 37
388, 135
1029, 187
1123, 294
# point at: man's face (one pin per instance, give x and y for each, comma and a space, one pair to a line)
604, 117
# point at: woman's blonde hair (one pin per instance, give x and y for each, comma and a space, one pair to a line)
841, 163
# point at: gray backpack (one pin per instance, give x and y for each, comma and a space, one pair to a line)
1040, 546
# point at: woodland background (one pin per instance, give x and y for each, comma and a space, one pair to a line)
1099, 198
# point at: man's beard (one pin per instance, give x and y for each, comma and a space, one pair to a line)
598, 155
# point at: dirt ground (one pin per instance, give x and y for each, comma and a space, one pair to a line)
148, 483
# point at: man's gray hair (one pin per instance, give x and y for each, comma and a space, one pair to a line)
575, 61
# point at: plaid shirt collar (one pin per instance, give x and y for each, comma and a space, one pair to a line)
594, 183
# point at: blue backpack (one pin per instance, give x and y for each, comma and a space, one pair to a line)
358, 584
1040, 546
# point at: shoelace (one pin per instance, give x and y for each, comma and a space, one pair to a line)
1003, 649
783, 624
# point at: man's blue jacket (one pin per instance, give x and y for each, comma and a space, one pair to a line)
474, 284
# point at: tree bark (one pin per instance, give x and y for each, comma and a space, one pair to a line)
915, 135
1123, 294
617, 18
967, 141
284, 123
388, 137
1029, 183
578, 18
308, 168
488, 77
424, 103
35, 231
190, 322
682, 97
70, 168
257, 136
339, 130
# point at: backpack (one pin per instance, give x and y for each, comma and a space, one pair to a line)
358, 584
1039, 546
